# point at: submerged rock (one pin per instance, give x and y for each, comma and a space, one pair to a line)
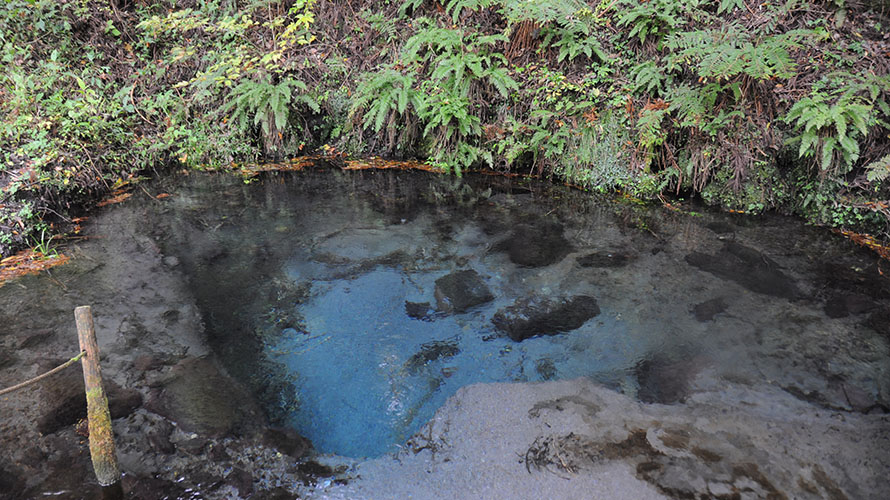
709, 308
535, 246
747, 267
842, 305
879, 321
605, 259
200, 398
662, 381
7, 358
721, 227
546, 369
533, 316
419, 310
37, 339
287, 441
460, 291
431, 351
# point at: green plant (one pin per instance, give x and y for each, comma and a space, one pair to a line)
267, 105
878, 171
829, 129
653, 19
730, 5
380, 94
43, 244
649, 77
458, 59
573, 40
729, 51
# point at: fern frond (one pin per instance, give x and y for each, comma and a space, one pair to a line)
878, 171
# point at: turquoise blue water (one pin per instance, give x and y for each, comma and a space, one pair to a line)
360, 394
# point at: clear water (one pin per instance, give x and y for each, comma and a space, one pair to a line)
365, 384
307, 282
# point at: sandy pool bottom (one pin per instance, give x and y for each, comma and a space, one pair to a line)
574, 439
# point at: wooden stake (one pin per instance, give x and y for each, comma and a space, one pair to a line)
98, 416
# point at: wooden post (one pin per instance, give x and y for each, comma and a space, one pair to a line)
98, 416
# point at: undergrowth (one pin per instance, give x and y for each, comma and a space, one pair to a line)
773, 105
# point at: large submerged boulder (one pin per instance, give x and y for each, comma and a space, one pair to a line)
202, 399
532, 316
747, 267
535, 246
460, 291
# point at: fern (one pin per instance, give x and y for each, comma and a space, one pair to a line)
730, 5
463, 156
432, 41
878, 171
829, 129
458, 60
649, 77
650, 133
728, 52
407, 5
266, 105
451, 114
455, 7
382, 94
541, 11
656, 18
572, 41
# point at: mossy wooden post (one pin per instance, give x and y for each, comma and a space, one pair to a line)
98, 416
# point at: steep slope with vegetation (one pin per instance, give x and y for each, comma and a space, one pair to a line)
753, 106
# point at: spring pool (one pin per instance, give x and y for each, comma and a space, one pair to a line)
356, 303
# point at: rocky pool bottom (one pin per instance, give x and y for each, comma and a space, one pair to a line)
767, 378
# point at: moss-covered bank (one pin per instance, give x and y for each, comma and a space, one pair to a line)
752, 106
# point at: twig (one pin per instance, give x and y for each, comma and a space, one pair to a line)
135, 107
38, 378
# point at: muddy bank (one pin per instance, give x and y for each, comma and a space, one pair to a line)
183, 425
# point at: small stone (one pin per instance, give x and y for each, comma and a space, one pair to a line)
604, 259
708, 309
721, 227
7, 358
193, 445
147, 362
720, 489
844, 304
419, 310
287, 441
159, 437
242, 481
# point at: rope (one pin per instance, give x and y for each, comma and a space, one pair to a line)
38, 378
